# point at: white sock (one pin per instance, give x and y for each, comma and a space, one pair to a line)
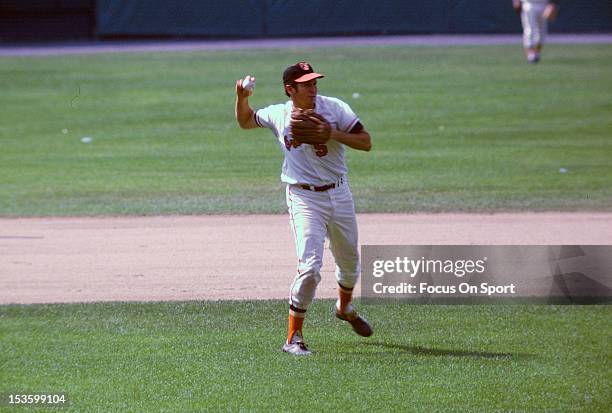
349, 307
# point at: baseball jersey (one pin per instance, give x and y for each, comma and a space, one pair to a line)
310, 164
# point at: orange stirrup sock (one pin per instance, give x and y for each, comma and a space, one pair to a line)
345, 295
296, 321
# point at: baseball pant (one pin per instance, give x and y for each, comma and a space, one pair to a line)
534, 24
313, 217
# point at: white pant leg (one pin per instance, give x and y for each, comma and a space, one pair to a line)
308, 215
534, 24
343, 237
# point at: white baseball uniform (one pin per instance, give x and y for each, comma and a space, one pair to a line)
318, 196
535, 25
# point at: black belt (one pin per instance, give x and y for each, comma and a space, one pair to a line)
322, 188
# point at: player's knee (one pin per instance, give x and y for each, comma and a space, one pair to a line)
349, 261
304, 288
309, 278
312, 279
347, 268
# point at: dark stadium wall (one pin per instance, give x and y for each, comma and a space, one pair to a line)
91, 19
260, 18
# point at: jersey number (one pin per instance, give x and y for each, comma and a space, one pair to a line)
320, 149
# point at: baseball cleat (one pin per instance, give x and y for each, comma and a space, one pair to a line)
359, 324
297, 347
533, 58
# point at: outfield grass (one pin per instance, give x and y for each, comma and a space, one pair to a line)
454, 129
225, 356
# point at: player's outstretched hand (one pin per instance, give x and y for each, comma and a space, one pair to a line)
241, 91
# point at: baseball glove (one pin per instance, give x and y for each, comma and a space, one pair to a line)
307, 126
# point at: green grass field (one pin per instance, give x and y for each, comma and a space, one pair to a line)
225, 356
454, 129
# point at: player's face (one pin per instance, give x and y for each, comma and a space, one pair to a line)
305, 94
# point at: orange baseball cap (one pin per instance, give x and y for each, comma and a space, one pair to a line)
300, 72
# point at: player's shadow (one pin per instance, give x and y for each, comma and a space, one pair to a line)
434, 352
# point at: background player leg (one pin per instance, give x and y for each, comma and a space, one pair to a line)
534, 25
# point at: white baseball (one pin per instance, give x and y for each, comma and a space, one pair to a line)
248, 83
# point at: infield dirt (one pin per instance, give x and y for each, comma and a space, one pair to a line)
52, 260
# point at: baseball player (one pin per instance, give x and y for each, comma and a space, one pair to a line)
313, 131
535, 15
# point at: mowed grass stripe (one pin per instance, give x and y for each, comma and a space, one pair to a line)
226, 356
470, 128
